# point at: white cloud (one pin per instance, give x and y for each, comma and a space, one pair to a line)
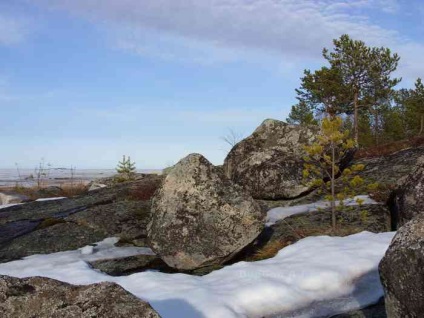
206, 31
13, 30
291, 27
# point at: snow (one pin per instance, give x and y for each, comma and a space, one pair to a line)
316, 276
280, 213
51, 199
43, 199
4, 206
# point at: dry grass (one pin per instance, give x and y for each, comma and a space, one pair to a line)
270, 250
48, 222
389, 148
74, 190
142, 192
35, 192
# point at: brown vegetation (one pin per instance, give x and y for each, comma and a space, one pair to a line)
35, 192
389, 148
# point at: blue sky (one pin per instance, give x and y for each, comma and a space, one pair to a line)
83, 82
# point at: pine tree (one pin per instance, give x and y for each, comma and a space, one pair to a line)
321, 165
126, 169
324, 91
301, 114
365, 71
410, 104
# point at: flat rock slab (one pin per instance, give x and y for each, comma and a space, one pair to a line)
59, 225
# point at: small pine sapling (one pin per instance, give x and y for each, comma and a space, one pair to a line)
321, 167
126, 169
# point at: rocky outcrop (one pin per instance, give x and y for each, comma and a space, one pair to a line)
269, 164
12, 198
200, 218
402, 271
53, 226
407, 200
393, 168
47, 298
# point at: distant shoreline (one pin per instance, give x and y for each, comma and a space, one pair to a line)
11, 177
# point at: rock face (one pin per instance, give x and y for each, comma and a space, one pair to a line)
53, 226
402, 271
200, 218
268, 164
11, 198
392, 168
47, 298
407, 200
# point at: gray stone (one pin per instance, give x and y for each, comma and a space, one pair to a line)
407, 200
128, 265
51, 191
402, 271
96, 186
200, 218
269, 163
47, 298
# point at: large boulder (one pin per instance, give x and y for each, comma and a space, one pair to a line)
200, 218
407, 200
269, 163
402, 271
47, 298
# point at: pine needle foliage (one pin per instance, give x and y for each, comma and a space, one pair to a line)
126, 169
321, 166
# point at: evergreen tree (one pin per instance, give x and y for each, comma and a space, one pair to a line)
301, 114
365, 72
324, 91
410, 103
126, 169
321, 164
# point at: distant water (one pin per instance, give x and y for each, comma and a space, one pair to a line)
56, 176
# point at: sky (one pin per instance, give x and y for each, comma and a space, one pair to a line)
83, 82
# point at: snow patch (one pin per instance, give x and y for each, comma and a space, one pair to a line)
51, 199
317, 276
281, 213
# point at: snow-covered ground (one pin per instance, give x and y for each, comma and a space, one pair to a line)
280, 213
315, 277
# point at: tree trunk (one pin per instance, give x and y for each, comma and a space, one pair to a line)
376, 126
356, 117
333, 202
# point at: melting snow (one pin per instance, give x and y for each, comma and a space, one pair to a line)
317, 276
280, 213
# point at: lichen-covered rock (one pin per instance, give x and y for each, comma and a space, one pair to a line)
44, 227
269, 163
200, 218
127, 265
402, 271
47, 298
407, 200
